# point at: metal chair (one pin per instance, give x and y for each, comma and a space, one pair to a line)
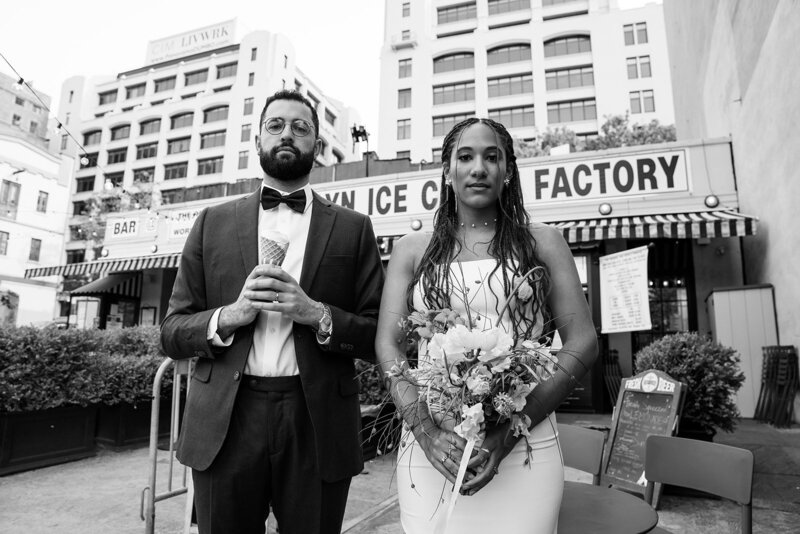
582, 449
710, 467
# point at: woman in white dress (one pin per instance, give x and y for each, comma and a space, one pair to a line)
482, 238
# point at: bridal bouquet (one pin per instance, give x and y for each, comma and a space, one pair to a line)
473, 377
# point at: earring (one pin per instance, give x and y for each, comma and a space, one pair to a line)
507, 181
448, 182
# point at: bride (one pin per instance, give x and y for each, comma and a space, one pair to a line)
482, 239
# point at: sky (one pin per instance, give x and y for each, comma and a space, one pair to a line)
337, 42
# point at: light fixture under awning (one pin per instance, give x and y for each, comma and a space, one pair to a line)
161, 261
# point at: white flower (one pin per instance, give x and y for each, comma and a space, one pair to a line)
525, 292
471, 420
478, 382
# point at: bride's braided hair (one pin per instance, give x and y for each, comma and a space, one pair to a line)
512, 240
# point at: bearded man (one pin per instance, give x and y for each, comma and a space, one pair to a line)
272, 416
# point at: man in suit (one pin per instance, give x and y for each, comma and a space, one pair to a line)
272, 416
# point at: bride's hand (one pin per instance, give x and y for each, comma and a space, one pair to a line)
484, 465
444, 450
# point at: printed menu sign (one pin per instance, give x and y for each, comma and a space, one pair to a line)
624, 301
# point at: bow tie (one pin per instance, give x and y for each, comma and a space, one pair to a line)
271, 198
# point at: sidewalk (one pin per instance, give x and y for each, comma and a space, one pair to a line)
101, 495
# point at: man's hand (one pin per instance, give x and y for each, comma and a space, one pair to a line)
269, 288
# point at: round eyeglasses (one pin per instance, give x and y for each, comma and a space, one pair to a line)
276, 125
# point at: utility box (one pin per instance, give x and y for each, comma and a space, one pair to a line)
744, 319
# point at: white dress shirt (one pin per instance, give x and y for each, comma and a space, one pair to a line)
272, 352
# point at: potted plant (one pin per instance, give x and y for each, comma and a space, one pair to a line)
48, 394
712, 377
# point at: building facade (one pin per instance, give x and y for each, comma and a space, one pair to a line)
34, 194
21, 113
736, 73
182, 127
530, 64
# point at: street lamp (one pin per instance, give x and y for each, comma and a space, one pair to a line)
359, 134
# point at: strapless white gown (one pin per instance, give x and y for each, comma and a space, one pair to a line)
520, 499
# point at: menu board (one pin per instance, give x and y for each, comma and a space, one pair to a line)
648, 404
624, 300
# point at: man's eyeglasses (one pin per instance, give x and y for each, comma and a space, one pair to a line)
300, 127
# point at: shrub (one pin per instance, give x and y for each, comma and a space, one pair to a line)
43, 368
372, 389
709, 370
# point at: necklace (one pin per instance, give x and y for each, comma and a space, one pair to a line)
474, 225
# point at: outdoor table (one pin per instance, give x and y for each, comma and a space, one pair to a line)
588, 508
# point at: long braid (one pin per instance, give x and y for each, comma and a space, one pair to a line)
512, 241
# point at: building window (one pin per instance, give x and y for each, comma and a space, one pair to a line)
633, 71
253, 54
176, 146
121, 132
176, 170
146, 151
641, 32
181, 121
209, 166
456, 92
165, 84
91, 138
150, 127
644, 67
248, 108
109, 97
33, 127
404, 68
509, 54
246, 129
19, 101
117, 156
436, 154
405, 35
649, 101
64, 139
172, 196
521, 117
406, 9
443, 124
144, 176
564, 46
453, 62
506, 6
71, 96
16, 119
636, 102
212, 139
243, 158
567, 78
134, 91
91, 160
251, 79
3, 243
226, 71
41, 201
114, 178
519, 84
36, 249
456, 13
77, 255
404, 98
84, 184
579, 110
404, 129
193, 78
637, 37
79, 207
555, 2
404, 154
219, 113
330, 118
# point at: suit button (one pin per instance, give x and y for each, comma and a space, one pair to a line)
237, 375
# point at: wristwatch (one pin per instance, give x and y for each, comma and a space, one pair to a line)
325, 325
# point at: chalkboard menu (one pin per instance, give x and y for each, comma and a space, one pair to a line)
648, 404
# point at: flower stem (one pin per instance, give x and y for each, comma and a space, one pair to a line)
511, 295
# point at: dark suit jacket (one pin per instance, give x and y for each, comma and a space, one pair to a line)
341, 267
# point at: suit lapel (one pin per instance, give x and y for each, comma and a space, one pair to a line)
319, 232
247, 229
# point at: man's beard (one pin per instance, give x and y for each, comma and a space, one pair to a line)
286, 169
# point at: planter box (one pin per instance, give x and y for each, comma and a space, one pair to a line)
123, 425
29, 440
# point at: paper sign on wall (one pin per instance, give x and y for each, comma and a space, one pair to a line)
624, 301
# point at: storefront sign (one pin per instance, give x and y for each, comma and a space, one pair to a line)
180, 223
192, 42
411, 197
638, 174
122, 228
624, 300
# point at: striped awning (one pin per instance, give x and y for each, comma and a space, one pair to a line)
138, 263
669, 226
122, 284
